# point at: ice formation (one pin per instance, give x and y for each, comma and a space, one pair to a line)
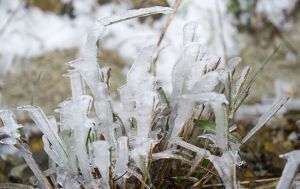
97, 151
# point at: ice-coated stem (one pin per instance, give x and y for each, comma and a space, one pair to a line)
10, 127
221, 125
42, 122
77, 84
102, 160
290, 169
266, 117
43, 181
122, 156
225, 166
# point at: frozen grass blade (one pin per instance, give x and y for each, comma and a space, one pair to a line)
42, 122
10, 128
101, 151
290, 169
190, 33
77, 84
225, 166
246, 91
266, 117
122, 156
135, 14
43, 181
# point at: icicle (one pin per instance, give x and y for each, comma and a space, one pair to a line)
122, 156
266, 117
10, 127
225, 166
290, 169
102, 160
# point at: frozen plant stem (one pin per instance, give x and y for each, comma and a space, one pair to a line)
290, 169
266, 117
43, 181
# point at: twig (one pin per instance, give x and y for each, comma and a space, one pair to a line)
163, 33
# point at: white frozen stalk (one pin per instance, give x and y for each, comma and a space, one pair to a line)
102, 160
278, 103
184, 112
77, 84
190, 33
217, 101
51, 152
221, 120
43, 182
140, 154
207, 83
10, 127
225, 166
241, 81
42, 122
189, 146
122, 156
182, 76
75, 114
227, 72
135, 14
232, 63
290, 169
137, 95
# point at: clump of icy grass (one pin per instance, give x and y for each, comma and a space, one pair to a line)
155, 137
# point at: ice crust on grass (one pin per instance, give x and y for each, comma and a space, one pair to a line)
153, 125
290, 169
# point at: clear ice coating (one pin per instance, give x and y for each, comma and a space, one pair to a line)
277, 104
10, 127
122, 158
290, 169
225, 166
79, 144
44, 125
101, 160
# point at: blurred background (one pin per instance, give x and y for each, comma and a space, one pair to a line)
37, 38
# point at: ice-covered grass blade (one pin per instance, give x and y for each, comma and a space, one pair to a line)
278, 103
